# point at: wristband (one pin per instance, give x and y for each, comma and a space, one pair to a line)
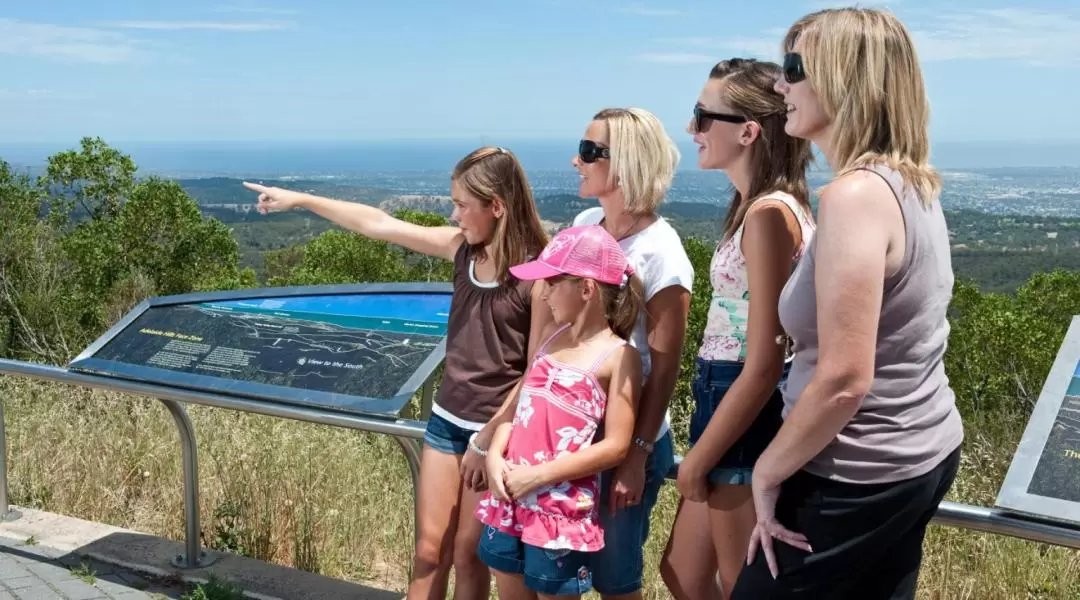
646, 446
474, 447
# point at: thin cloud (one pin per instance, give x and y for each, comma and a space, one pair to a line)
199, 25
677, 58
66, 43
34, 95
260, 10
823, 4
766, 46
640, 9
30, 93
1036, 38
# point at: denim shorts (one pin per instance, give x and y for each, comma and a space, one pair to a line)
446, 437
562, 572
617, 567
712, 380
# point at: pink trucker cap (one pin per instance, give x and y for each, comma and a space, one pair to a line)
585, 251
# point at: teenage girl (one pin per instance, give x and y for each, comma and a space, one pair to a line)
738, 124
542, 511
487, 349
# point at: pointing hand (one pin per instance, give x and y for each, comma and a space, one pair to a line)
273, 199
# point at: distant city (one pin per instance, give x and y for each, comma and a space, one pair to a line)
1022, 178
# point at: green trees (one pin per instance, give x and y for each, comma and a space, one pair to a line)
1001, 347
87, 240
338, 256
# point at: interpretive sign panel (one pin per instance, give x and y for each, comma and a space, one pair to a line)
1044, 477
363, 349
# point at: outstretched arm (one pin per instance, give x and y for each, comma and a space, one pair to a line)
368, 221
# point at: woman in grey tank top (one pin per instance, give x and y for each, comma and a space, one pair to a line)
871, 435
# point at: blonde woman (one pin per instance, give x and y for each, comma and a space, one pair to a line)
871, 436
627, 161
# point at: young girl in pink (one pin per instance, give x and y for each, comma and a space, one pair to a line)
541, 512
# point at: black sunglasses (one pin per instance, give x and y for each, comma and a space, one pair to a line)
703, 119
590, 152
793, 68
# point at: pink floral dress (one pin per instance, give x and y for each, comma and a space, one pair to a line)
558, 412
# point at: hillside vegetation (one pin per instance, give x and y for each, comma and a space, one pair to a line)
86, 242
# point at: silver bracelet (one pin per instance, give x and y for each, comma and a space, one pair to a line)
474, 447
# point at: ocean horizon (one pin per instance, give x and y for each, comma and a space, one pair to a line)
328, 158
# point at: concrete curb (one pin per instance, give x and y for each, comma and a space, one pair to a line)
149, 555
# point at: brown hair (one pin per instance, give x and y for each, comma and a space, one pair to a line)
488, 173
778, 161
862, 65
622, 305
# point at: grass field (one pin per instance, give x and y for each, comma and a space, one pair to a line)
340, 503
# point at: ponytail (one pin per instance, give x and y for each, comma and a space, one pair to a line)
622, 305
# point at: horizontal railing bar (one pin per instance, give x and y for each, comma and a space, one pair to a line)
993, 520
400, 427
953, 514
989, 520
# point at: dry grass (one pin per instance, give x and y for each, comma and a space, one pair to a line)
339, 502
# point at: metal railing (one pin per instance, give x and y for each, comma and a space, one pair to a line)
408, 433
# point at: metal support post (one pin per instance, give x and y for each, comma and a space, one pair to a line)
427, 396
193, 557
412, 450
6, 512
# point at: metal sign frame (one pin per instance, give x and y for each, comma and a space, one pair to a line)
87, 362
1015, 494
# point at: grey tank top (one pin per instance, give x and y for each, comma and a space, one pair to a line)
908, 423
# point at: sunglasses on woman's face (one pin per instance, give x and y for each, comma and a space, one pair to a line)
590, 152
703, 119
793, 68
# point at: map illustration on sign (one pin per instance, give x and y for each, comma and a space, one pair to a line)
365, 351
1043, 480
1058, 472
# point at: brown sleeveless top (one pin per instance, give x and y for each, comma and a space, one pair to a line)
908, 423
486, 343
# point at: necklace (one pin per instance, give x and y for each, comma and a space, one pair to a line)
625, 231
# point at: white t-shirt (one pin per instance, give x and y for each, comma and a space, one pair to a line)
659, 259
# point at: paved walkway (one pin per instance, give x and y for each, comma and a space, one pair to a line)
46, 556
30, 571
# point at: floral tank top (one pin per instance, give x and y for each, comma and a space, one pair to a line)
725, 325
558, 412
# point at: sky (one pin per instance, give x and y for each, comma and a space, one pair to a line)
282, 70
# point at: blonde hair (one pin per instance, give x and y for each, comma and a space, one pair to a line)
778, 161
643, 157
862, 64
489, 173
